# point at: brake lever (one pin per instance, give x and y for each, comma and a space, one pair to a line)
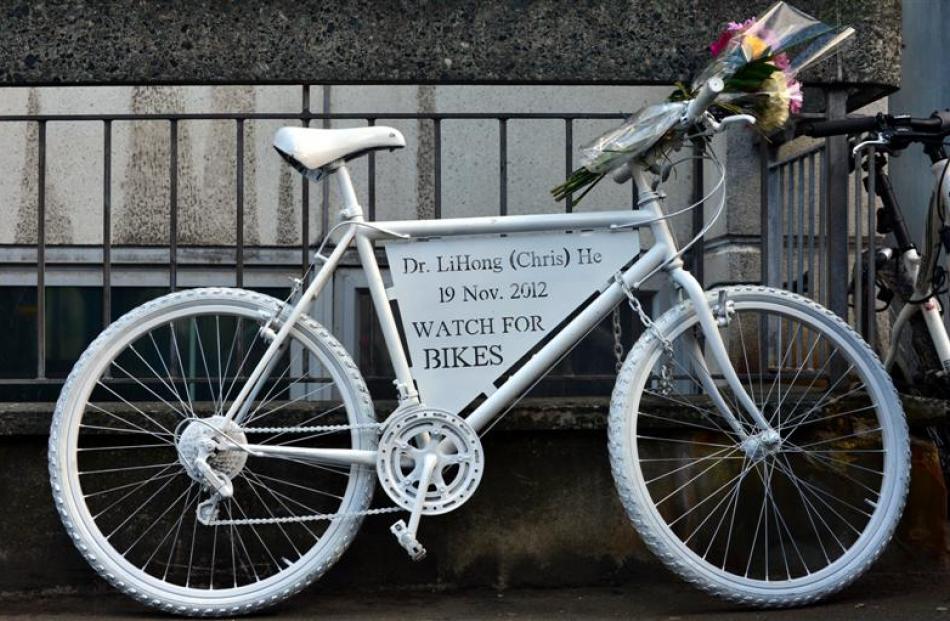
732, 119
879, 142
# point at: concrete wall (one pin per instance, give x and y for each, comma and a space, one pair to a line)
362, 41
925, 87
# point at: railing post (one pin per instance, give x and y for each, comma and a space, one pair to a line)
503, 167
239, 203
836, 211
771, 219
173, 205
698, 251
305, 188
41, 251
371, 174
437, 163
870, 289
568, 159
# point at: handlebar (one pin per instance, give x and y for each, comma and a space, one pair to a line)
858, 125
706, 96
694, 112
937, 124
622, 174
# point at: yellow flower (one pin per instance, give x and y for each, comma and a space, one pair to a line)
775, 113
753, 47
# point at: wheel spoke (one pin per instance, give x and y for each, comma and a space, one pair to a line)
134, 451
171, 380
204, 362
814, 493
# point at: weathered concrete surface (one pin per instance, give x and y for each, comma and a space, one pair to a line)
205, 42
546, 515
919, 595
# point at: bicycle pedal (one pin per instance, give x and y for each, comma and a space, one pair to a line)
409, 543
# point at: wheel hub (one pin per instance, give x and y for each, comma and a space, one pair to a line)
409, 438
210, 438
761, 445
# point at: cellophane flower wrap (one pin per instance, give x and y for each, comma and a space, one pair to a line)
758, 60
638, 133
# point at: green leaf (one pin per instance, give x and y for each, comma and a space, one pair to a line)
578, 179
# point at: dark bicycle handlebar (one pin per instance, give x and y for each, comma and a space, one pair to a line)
937, 124
822, 129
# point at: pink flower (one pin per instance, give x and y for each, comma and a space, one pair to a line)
732, 28
781, 61
720, 44
795, 98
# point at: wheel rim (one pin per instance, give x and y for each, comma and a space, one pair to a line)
141, 514
801, 512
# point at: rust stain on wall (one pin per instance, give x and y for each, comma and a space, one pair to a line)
287, 231
58, 226
144, 217
209, 216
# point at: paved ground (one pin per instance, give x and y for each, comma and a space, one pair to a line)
880, 596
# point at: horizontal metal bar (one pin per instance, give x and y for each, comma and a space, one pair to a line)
148, 256
276, 278
306, 116
510, 224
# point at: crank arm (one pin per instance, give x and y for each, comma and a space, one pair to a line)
406, 535
325, 456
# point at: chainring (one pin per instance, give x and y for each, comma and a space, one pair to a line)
409, 436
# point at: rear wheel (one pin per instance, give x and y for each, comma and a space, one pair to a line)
767, 524
124, 441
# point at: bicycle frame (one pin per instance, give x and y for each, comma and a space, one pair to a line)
929, 308
661, 256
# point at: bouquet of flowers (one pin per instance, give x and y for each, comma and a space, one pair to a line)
758, 61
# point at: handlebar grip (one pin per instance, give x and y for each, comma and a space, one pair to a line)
943, 116
622, 174
857, 125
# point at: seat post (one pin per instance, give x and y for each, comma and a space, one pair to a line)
351, 206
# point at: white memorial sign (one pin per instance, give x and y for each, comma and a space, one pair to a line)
472, 307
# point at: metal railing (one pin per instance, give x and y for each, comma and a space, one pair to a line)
240, 250
813, 230
819, 229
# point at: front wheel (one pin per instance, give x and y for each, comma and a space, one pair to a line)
765, 524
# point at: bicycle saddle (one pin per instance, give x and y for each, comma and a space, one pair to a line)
310, 149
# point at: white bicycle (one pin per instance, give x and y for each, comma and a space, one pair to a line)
214, 451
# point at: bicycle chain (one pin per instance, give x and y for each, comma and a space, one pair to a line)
315, 517
305, 518
311, 429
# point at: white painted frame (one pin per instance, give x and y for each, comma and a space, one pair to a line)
662, 256
930, 307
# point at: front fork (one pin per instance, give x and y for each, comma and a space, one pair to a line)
718, 353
